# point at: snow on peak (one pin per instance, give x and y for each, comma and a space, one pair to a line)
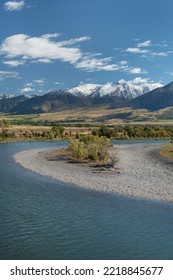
122, 81
121, 88
84, 89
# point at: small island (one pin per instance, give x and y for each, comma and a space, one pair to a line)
140, 171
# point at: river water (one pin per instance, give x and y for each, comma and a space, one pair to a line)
42, 218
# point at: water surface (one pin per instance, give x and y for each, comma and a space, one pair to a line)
42, 218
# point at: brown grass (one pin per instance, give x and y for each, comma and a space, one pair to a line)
100, 115
167, 152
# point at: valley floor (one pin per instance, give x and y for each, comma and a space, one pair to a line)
142, 172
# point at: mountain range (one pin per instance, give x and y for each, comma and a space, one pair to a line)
113, 95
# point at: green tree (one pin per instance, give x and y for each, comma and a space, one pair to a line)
58, 131
105, 131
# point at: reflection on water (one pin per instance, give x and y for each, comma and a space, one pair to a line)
42, 218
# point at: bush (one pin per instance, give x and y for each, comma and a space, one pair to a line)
113, 159
89, 147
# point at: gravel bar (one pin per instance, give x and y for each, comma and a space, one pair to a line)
142, 172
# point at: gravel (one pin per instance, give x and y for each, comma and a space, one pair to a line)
141, 172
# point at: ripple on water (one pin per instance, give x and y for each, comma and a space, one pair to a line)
44, 219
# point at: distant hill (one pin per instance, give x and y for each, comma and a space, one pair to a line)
50, 102
156, 99
7, 104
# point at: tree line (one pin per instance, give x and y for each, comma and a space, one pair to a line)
135, 131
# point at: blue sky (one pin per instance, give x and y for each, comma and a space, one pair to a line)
52, 44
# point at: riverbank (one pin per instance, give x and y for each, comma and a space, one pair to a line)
141, 171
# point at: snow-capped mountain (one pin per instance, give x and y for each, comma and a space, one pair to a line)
113, 95
121, 88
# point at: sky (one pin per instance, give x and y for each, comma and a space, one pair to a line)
51, 44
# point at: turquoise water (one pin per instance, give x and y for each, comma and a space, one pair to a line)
41, 218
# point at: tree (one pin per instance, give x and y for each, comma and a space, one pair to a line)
103, 148
105, 131
58, 130
78, 149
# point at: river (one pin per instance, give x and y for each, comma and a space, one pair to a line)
42, 218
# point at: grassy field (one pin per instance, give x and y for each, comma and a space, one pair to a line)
96, 116
82, 120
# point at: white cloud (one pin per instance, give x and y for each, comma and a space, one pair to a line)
7, 74
58, 83
145, 83
139, 80
123, 62
27, 89
147, 53
43, 60
136, 50
40, 82
20, 48
91, 64
14, 5
30, 84
159, 54
14, 63
74, 41
144, 44
45, 49
27, 47
137, 70
50, 35
34, 83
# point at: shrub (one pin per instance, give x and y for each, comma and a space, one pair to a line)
89, 147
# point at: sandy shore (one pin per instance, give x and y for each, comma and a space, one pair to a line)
143, 173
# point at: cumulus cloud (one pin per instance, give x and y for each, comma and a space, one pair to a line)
159, 54
7, 74
43, 60
74, 41
144, 44
91, 64
27, 89
14, 5
95, 64
148, 53
145, 82
30, 84
58, 83
46, 49
40, 82
139, 80
137, 70
36, 48
20, 48
50, 35
35, 83
123, 62
136, 50
14, 63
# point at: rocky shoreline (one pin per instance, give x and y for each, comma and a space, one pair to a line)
141, 172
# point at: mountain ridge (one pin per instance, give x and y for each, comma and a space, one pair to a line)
156, 99
113, 95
